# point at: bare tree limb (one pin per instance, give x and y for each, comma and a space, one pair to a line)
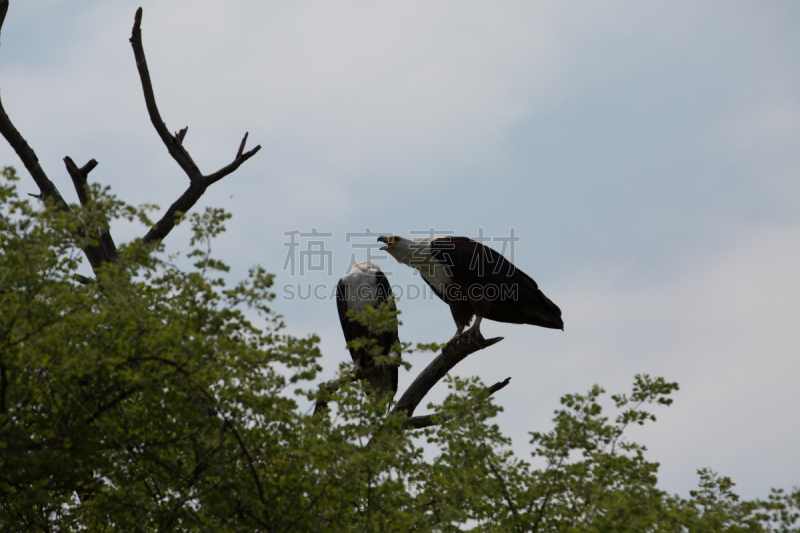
174, 143
181, 134
3, 11
419, 422
175, 212
106, 250
174, 146
80, 177
23, 149
236, 163
29, 159
88, 167
497, 386
241, 146
453, 353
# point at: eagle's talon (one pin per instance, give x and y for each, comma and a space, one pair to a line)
475, 336
474, 333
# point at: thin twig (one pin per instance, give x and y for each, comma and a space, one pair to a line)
420, 422
507, 497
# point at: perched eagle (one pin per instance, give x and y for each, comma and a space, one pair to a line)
475, 281
363, 285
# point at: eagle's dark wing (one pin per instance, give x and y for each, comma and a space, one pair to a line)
341, 306
518, 298
386, 381
389, 338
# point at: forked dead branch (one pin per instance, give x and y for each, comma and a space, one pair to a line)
105, 251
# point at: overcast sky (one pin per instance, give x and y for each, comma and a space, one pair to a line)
645, 153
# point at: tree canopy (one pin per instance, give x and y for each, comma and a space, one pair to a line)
153, 398
158, 398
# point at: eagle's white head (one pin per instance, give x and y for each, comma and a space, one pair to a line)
417, 254
402, 249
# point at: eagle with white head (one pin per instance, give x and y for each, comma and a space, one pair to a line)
475, 281
364, 285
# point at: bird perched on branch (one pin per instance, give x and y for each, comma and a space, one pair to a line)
364, 285
475, 281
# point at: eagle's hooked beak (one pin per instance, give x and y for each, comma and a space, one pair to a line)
388, 240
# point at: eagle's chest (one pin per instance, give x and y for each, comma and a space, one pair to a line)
435, 273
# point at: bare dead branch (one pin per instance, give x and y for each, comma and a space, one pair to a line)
106, 250
29, 159
419, 422
174, 146
23, 150
499, 385
175, 212
3, 11
453, 353
174, 143
236, 163
241, 146
88, 167
80, 177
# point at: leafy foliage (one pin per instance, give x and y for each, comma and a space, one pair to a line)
154, 399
